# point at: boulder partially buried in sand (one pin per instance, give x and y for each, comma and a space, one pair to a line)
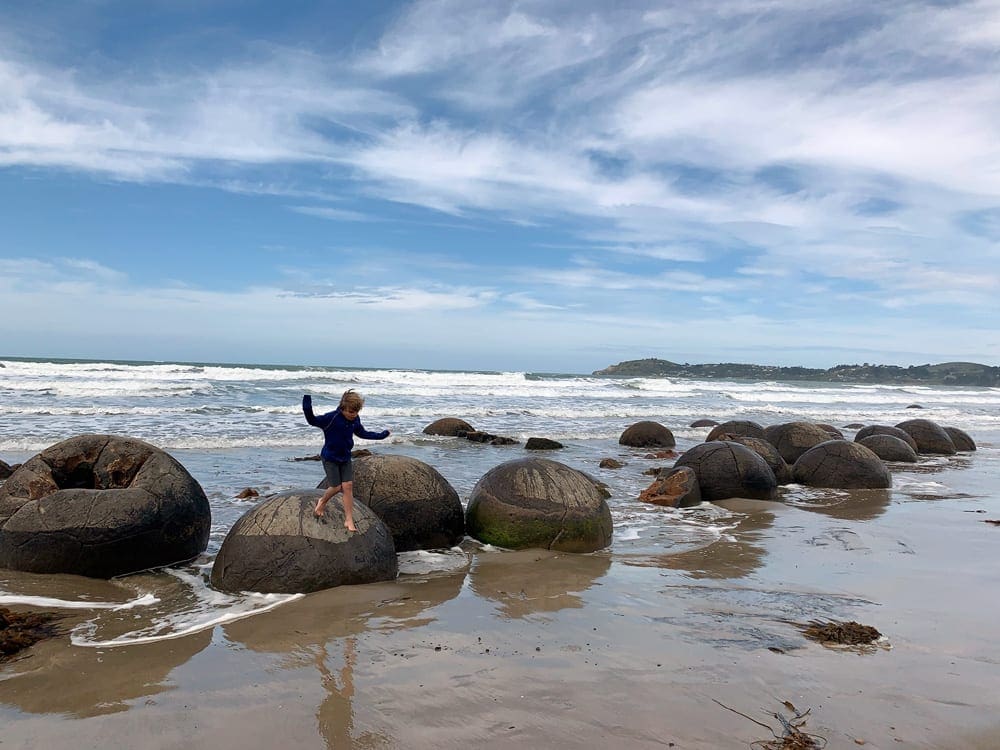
280, 547
449, 427
101, 506
792, 439
726, 469
647, 435
963, 441
420, 507
929, 436
782, 471
843, 465
884, 429
536, 502
740, 427
889, 448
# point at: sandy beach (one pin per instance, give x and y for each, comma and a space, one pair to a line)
540, 649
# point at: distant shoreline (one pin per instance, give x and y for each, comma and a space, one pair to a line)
946, 373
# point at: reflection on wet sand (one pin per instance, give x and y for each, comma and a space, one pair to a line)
324, 616
322, 628
847, 505
82, 682
335, 715
735, 555
535, 580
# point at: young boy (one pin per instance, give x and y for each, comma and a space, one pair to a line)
339, 428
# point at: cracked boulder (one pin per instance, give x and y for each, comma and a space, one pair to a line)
884, 429
420, 507
782, 471
889, 448
929, 436
727, 469
101, 506
647, 435
841, 464
792, 439
961, 439
743, 427
279, 546
537, 502
673, 488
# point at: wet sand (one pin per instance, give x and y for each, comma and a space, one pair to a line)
632, 649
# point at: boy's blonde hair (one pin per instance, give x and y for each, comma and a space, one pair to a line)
351, 400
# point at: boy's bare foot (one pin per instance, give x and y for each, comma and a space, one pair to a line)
318, 511
349, 525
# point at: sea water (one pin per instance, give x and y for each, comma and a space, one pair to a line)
235, 426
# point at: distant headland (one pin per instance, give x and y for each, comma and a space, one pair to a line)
946, 373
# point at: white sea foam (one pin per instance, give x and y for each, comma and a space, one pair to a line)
421, 562
144, 600
192, 608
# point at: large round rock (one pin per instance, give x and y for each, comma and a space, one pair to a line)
884, 429
962, 440
726, 469
889, 448
782, 471
448, 426
647, 435
735, 427
101, 506
792, 439
280, 547
536, 502
420, 507
842, 465
929, 436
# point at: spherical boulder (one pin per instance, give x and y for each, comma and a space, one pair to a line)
929, 436
884, 429
782, 471
647, 434
727, 469
963, 441
536, 502
674, 488
889, 448
843, 465
736, 428
703, 423
280, 547
792, 439
101, 506
449, 427
420, 507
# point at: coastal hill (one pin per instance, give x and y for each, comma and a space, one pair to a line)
947, 373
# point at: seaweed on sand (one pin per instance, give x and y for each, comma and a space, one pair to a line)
19, 631
840, 633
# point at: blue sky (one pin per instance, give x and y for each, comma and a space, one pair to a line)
549, 186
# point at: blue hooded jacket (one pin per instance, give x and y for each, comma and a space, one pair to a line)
338, 432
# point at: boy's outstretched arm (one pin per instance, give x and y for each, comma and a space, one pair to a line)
307, 409
361, 432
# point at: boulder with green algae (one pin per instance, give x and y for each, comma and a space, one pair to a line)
536, 502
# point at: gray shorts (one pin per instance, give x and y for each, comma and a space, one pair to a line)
338, 473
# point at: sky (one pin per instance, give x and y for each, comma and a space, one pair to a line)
549, 185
